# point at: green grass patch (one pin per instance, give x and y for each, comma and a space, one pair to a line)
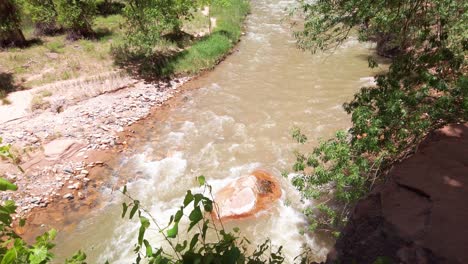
55, 46
209, 50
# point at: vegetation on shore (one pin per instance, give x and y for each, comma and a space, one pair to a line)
425, 88
63, 42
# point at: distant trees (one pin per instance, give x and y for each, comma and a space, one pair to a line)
10, 24
48, 16
44, 16
76, 16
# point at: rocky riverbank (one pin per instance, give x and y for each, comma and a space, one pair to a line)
419, 214
55, 145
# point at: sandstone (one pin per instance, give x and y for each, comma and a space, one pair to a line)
419, 214
54, 150
247, 195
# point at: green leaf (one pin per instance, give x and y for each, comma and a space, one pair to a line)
78, 258
9, 257
124, 209
188, 198
195, 217
22, 222
38, 256
207, 204
201, 180
172, 233
6, 185
144, 224
180, 248
124, 189
194, 241
179, 215
134, 209
197, 198
149, 250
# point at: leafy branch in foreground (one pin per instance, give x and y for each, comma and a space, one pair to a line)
207, 240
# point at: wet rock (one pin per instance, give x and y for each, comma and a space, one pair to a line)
247, 195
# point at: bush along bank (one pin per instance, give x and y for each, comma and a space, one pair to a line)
167, 51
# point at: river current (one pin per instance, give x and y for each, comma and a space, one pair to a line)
240, 119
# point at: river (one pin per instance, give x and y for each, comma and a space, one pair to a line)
238, 120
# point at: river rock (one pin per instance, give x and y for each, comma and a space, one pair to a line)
247, 195
54, 150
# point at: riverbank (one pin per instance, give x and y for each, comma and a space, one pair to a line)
419, 214
63, 147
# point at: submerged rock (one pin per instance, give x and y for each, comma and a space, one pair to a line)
247, 195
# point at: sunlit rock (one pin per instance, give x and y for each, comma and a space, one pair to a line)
247, 195
59, 148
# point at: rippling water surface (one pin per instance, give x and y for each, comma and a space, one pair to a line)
239, 120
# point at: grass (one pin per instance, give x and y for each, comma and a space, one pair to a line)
208, 51
56, 59
38, 102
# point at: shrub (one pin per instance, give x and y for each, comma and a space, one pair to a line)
424, 89
109, 7
10, 24
76, 16
44, 16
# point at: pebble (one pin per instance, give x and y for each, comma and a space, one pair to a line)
79, 122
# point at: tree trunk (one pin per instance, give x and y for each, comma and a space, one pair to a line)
10, 34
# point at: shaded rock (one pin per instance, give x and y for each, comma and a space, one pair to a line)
247, 195
419, 214
68, 196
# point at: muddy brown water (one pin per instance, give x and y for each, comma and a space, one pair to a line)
240, 119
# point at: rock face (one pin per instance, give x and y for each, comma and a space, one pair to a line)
247, 195
56, 149
420, 214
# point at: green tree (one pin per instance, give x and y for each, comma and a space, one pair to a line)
43, 15
77, 17
425, 88
210, 4
10, 24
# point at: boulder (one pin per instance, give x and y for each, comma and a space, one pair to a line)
419, 214
247, 195
59, 148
